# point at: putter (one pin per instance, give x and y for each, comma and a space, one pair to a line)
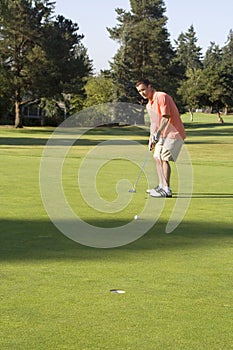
133, 190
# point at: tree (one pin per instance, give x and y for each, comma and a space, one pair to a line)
191, 89
5, 93
99, 90
145, 49
214, 78
227, 70
41, 57
188, 54
188, 60
66, 68
19, 30
67, 64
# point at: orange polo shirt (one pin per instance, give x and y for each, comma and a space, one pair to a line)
163, 104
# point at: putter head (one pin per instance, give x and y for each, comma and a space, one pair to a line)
132, 190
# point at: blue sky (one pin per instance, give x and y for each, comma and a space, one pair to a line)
212, 20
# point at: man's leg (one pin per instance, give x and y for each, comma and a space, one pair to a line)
168, 151
166, 173
163, 171
159, 168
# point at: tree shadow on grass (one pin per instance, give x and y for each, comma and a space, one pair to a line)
40, 240
209, 129
204, 195
62, 142
78, 139
140, 133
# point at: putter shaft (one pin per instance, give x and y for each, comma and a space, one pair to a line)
140, 172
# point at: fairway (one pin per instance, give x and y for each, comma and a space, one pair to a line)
55, 293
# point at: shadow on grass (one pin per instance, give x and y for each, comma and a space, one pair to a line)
204, 195
201, 130
84, 140
60, 142
40, 240
22, 141
197, 125
209, 129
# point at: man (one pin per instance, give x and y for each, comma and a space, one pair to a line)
167, 134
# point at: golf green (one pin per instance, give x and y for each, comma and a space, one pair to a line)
55, 292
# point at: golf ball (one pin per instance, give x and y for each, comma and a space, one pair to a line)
136, 217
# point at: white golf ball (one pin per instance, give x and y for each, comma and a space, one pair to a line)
136, 217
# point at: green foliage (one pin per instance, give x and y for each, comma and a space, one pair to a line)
208, 81
40, 57
20, 24
218, 70
188, 64
67, 61
227, 68
188, 54
191, 89
99, 90
145, 48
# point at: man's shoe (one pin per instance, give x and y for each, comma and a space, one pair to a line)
160, 193
153, 189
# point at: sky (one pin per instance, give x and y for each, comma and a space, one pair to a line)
212, 21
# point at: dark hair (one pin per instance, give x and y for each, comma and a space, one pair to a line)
143, 81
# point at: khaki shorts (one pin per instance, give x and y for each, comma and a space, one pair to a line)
168, 149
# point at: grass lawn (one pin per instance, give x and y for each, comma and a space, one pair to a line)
55, 293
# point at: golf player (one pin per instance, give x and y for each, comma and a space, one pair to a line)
167, 134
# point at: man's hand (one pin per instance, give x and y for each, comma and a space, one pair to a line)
156, 137
151, 145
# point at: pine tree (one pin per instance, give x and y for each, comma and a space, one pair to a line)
188, 53
19, 30
41, 57
227, 70
145, 49
212, 71
188, 60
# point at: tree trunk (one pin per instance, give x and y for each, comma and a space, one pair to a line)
18, 119
191, 114
42, 120
220, 120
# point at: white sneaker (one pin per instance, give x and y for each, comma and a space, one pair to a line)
153, 189
160, 193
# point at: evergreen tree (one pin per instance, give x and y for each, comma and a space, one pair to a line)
19, 31
145, 49
227, 70
41, 57
188, 54
214, 78
188, 60
67, 63
66, 68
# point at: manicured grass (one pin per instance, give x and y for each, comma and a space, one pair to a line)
55, 293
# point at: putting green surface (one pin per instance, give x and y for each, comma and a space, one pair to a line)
55, 293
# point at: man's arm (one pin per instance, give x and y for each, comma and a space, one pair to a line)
163, 124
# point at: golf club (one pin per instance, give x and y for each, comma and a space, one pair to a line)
133, 190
